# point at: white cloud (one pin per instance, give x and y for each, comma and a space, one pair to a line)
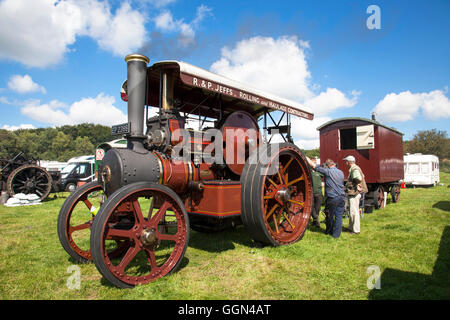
186, 31
21, 126
24, 84
406, 105
435, 105
157, 3
331, 100
44, 30
99, 110
123, 33
307, 144
279, 66
305, 132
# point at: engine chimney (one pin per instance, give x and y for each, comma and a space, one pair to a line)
136, 87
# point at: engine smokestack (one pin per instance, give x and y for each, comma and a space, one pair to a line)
136, 90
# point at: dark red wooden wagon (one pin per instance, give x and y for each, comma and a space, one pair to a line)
378, 151
134, 222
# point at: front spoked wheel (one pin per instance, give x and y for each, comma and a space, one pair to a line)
153, 220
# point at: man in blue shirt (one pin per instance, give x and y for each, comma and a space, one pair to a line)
335, 195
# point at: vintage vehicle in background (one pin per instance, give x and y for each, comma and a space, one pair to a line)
23, 175
421, 169
79, 170
378, 151
134, 221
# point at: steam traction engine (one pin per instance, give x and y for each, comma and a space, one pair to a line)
134, 222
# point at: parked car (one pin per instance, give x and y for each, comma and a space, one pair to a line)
78, 170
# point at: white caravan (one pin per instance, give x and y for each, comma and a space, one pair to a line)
421, 169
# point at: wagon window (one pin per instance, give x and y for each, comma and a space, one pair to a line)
361, 137
347, 138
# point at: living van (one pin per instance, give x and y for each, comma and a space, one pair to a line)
421, 169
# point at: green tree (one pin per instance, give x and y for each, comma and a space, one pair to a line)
7, 144
312, 153
82, 146
429, 142
62, 146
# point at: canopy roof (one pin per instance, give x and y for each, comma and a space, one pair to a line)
199, 91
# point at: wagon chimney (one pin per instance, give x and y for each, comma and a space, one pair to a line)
373, 116
136, 90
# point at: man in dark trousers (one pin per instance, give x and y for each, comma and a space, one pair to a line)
317, 194
335, 195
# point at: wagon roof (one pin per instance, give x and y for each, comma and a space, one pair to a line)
360, 119
241, 96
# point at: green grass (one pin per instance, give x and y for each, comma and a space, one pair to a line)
408, 241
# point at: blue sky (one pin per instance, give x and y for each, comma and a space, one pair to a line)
64, 62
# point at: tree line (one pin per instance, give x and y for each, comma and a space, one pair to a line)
63, 143
429, 142
60, 143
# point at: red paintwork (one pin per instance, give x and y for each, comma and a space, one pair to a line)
382, 164
218, 198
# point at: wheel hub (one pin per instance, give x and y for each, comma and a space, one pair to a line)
284, 194
29, 184
148, 238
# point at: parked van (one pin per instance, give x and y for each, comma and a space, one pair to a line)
78, 169
421, 169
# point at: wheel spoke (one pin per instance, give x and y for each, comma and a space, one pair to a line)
157, 217
152, 260
276, 224
287, 165
87, 203
83, 226
272, 182
297, 202
119, 233
287, 219
270, 195
128, 257
138, 212
280, 176
164, 236
272, 211
295, 181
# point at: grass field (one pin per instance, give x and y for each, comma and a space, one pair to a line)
408, 242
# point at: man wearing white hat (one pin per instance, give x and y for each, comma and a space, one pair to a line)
356, 185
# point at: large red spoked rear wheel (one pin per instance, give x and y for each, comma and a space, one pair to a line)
75, 221
276, 195
153, 220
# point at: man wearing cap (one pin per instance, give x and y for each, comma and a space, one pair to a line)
335, 195
354, 187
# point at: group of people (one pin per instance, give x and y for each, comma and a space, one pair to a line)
336, 190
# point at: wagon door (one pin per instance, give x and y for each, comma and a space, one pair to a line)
365, 137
